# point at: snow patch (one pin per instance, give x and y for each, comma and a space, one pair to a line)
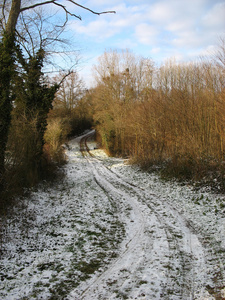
110, 231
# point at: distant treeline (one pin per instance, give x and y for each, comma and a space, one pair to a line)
171, 116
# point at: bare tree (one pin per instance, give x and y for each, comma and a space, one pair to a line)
10, 13
17, 7
70, 92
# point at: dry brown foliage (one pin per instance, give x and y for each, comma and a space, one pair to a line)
172, 115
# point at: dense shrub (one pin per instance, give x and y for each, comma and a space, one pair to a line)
172, 115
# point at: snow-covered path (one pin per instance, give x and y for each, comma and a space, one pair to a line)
111, 231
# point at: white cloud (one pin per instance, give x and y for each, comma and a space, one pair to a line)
155, 50
180, 25
170, 27
106, 26
184, 24
215, 18
101, 3
187, 39
125, 43
146, 34
160, 12
99, 29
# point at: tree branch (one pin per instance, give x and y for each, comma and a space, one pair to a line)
37, 4
67, 12
51, 2
65, 9
3, 12
65, 76
93, 12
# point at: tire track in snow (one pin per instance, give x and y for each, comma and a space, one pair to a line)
184, 263
172, 224
136, 232
188, 256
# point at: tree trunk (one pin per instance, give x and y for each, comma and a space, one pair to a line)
13, 17
6, 69
6, 73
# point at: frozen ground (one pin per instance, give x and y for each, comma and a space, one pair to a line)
110, 231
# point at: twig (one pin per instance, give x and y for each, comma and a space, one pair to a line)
65, 9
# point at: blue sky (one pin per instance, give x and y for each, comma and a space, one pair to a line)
162, 29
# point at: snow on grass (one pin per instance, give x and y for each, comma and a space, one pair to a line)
58, 237
203, 211
64, 237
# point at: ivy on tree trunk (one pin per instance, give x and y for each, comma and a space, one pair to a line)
34, 99
6, 73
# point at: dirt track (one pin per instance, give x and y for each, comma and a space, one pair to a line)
159, 243
108, 230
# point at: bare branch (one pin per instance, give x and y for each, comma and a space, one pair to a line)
37, 4
28, 32
67, 12
51, 2
65, 9
96, 13
3, 13
65, 76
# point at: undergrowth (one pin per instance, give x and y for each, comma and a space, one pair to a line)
201, 173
